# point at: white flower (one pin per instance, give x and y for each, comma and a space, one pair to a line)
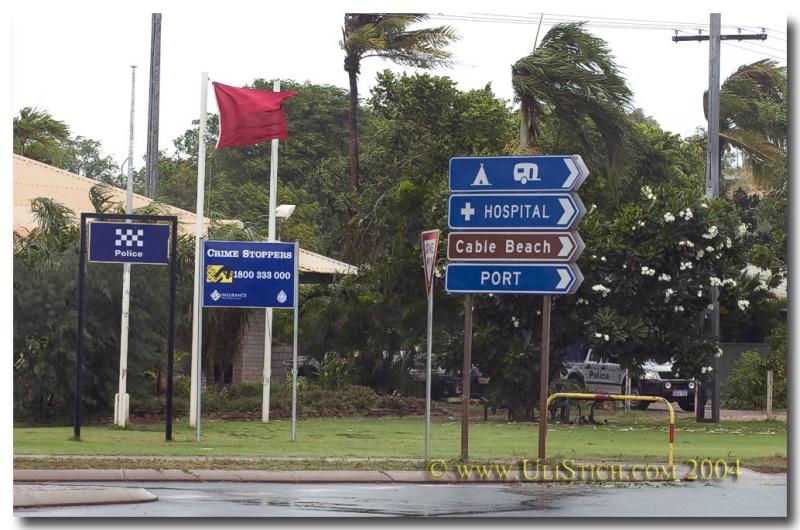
667, 294
709, 248
594, 256
719, 353
599, 288
686, 265
741, 229
703, 370
640, 223
743, 304
606, 338
728, 242
598, 335
709, 369
710, 307
437, 273
592, 208
713, 231
678, 308
700, 293
700, 253
515, 321
761, 287
668, 217
664, 277
647, 193
703, 205
647, 271
686, 243
715, 282
624, 266
729, 281
603, 259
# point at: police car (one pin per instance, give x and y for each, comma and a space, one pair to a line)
595, 375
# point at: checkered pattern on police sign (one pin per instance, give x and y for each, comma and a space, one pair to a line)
129, 238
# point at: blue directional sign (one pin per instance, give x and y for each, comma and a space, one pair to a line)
545, 278
145, 243
516, 211
517, 173
249, 274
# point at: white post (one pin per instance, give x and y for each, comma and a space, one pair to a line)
294, 345
627, 390
769, 394
428, 376
197, 315
121, 400
273, 200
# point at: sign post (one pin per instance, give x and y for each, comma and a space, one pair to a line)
249, 274
128, 239
512, 219
430, 244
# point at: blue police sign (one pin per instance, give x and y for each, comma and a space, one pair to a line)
545, 278
249, 274
145, 243
517, 211
517, 173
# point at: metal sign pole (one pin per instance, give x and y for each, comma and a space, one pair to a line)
294, 344
81, 304
544, 376
467, 371
428, 376
173, 285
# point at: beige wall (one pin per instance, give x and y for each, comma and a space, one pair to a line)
249, 365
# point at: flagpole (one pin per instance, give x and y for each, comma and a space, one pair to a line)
197, 315
122, 400
273, 200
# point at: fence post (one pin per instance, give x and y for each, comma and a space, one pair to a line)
769, 394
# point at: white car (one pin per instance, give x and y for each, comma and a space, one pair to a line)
595, 375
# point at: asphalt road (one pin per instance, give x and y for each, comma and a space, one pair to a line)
753, 494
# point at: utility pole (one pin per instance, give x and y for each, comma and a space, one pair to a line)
714, 39
152, 114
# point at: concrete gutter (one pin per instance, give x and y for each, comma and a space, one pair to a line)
33, 496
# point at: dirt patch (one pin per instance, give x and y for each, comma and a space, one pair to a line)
770, 464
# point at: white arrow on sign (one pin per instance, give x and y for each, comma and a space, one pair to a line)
576, 169
565, 278
566, 246
568, 211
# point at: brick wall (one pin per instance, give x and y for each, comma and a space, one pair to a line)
248, 366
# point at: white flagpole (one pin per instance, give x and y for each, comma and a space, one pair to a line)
121, 400
197, 315
273, 199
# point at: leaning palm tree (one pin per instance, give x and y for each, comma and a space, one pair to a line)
753, 104
39, 136
572, 76
386, 35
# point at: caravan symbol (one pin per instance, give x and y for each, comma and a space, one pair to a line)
526, 171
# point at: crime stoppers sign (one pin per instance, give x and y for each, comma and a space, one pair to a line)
249, 274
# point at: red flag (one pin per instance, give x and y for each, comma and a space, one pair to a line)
248, 116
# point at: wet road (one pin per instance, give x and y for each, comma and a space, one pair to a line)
752, 495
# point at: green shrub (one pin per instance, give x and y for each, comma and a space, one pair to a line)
746, 387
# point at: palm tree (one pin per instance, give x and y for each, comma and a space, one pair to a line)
386, 35
753, 104
39, 136
572, 76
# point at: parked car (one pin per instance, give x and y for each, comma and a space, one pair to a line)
662, 380
599, 376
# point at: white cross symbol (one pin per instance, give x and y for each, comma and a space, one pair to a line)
467, 211
128, 238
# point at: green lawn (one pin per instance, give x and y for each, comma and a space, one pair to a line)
627, 437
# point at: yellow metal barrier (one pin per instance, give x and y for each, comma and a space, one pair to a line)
620, 397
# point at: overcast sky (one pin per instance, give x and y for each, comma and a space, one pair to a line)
75, 61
